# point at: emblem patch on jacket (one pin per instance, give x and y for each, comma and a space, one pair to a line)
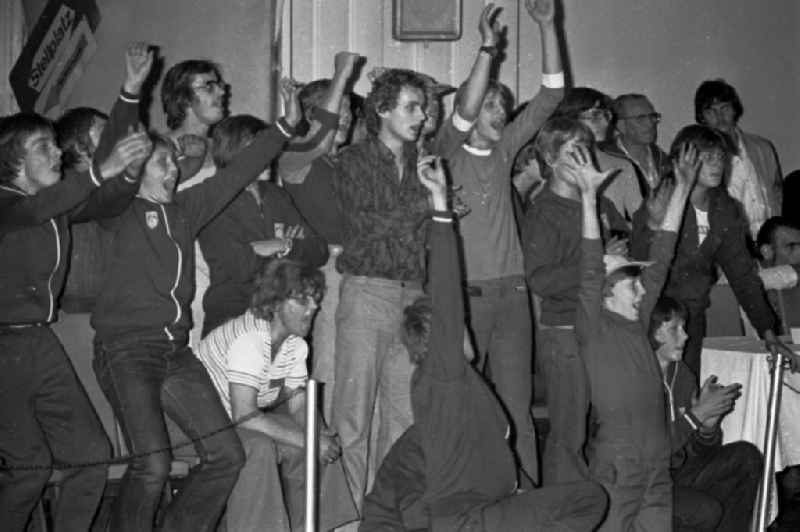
151, 218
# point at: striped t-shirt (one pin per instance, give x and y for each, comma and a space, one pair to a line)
240, 352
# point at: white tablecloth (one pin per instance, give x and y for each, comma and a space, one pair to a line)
744, 360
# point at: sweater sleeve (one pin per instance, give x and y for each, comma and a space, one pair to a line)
204, 201
740, 269
312, 249
445, 360
115, 194
590, 294
531, 119
662, 250
453, 133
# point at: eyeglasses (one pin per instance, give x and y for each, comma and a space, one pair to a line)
595, 115
714, 156
210, 85
655, 117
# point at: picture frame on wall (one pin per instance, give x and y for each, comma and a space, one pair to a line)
426, 20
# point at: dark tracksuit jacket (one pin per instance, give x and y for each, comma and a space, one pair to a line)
694, 269
629, 447
233, 265
34, 229
150, 283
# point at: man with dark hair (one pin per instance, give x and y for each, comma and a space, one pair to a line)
755, 179
636, 135
257, 362
193, 98
713, 235
454, 469
261, 222
382, 266
45, 416
480, 143
593, 109
143, 362
715, 484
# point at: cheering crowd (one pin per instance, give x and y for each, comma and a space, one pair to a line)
409, 261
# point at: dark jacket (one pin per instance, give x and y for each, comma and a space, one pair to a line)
150, 284
34, 229
694, 269
232, 263
685, 438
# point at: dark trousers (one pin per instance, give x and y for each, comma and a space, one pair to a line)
500, 319
718, 491
144, 379
45, 419
567, 395
577, 507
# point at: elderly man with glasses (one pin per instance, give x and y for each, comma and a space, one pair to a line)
636, 136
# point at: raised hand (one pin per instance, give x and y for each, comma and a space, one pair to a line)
291, 102
375, 73
295, 231
345, 62
542, 11
138, 61
617, 246
587, 177
657, 202
432, 176
489, 26
687, 166
129, 153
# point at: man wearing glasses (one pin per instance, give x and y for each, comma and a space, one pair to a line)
754, 178
637, 133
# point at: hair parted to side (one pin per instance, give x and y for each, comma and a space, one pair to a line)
555, 133
666, 309
176, 90
232, 134
282, 279
385, 91
715, 91
417, 328
14, 132
72, 130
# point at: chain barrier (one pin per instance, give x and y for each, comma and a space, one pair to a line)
6, 469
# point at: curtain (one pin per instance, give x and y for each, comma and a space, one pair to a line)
12, 38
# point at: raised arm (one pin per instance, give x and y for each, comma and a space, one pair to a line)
592, 269
662, 248
445, 360
204, 201
324, 119
539, 109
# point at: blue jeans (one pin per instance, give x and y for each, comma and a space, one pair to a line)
45, 418
500, 319
144, 379
371, 363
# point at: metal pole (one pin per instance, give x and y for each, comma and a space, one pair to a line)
776, 385
311, 456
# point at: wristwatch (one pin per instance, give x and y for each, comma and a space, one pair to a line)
491, 50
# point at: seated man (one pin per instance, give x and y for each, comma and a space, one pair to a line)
257, 362
454, 468
715, 484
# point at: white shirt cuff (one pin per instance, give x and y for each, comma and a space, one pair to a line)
461, 123
553, 81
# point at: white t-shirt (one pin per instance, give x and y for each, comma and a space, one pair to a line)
702, 225
240, 352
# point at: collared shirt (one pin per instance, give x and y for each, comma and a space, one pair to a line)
648, 170
745, 187
384, 216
